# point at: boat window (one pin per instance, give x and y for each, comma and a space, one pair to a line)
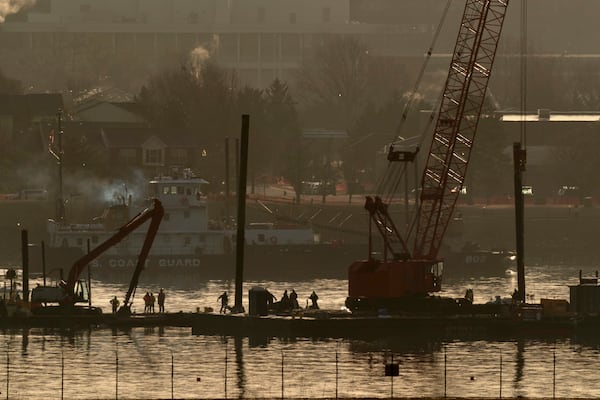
153, 189
180, 190
173, 189
79, 241
187, 240
165, 190
261, 237
188, 191
94, 239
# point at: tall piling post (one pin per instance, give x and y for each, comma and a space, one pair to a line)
44, 262
241, 216
227, 213
25, 260
519, 159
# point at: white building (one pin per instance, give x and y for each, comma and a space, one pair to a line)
259, 39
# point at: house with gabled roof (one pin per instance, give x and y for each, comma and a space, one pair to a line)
100, 111
150, 148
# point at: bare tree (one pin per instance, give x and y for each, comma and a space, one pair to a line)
334, 80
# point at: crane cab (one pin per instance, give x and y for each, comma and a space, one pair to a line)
57, 294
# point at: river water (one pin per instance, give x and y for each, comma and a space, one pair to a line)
143, 363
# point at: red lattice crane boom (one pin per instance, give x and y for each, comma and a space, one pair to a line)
457, 121
375, 283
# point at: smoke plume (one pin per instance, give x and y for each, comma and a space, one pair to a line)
197, 58
12, 7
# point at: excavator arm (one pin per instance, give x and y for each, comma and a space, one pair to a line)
157, 215
154, 214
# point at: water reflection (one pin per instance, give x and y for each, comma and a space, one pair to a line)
239, 362
519, 364
265, 366
209, 366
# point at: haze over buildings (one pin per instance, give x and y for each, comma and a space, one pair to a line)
56, 41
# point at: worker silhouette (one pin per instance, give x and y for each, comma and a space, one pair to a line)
294, 299
147, 302
313, 298
224, 302
285, 303
469, 295
152, 301
161, 300
115, 304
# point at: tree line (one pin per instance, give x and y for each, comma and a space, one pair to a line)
342, 86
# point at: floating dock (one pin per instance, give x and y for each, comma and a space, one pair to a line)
326, 324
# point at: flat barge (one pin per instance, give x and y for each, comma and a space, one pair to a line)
323, 324
87, 321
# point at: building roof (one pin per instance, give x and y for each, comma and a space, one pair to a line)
110, 95
545, 115
136, 136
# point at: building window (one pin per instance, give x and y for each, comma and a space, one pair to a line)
187, 241
153, 157
292, 18
179, 156
260, 16
326, 14
128, 156
94, 239
193, 18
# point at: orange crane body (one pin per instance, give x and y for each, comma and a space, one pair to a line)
419, 273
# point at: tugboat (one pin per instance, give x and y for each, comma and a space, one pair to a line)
188, 241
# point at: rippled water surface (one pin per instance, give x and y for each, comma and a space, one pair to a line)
171, 362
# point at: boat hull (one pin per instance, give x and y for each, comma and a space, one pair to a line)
324, 261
